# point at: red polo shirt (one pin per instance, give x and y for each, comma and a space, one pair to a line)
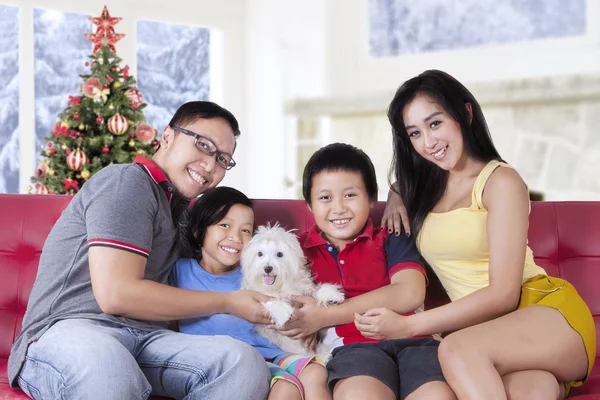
363, 265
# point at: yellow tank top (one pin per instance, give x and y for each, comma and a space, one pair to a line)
455, 244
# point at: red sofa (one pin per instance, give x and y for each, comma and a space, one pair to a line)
565, 238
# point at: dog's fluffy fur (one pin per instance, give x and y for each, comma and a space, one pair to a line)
273, 263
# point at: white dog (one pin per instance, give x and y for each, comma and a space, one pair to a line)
273, 263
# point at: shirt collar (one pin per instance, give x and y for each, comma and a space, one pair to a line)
157, 175
314, 238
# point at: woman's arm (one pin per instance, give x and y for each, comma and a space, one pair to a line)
507, 202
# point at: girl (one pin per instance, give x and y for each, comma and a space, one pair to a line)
220, 225
515, 328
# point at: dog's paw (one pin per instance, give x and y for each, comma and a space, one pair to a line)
329, 294
280, 311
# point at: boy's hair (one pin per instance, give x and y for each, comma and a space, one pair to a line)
208, 210
340, 157
191, 111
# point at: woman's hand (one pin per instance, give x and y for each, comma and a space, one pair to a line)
383, 324
305, 321
395, 215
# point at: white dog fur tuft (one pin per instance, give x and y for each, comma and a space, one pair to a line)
273, 263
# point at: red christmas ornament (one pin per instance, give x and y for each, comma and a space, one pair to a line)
42, 189
109, 78
70, 184
145, 133
105, 149
90, 87
125, 72
50, 144
105, 23
87, 64
76, 160
135, 96
99, 119
118, 124
76, 117
51, 152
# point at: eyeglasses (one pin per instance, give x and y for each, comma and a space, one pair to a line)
207, 147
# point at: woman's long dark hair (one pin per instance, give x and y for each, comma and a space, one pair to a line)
208, 210
420, 182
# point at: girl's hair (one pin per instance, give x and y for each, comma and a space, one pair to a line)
208, 210
422, 183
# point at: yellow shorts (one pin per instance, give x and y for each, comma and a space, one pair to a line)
542, 290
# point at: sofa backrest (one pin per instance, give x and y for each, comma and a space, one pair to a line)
564, 237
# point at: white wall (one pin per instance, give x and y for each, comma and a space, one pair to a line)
351, 71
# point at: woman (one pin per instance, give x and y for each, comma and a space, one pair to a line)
514, 327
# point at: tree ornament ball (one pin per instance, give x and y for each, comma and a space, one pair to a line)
131, 143
118, 125
105, 149
145, 133
76, 160
99, 119
85, 174
117, 84
81, 127
42, 189
91, 87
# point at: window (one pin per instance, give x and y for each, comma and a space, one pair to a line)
400, 27
173, 67
60, 54
9, 99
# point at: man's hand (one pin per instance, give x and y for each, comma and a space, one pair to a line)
383, 324
395, 215
247, 305
305, 321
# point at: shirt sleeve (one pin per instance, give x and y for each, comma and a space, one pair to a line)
120, 207
402, 254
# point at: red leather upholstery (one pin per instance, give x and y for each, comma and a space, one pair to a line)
565, 238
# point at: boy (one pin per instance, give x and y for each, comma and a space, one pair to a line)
376, 270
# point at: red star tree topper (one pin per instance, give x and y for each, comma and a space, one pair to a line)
105, 31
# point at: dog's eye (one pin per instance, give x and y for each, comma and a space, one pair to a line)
260, 253
279, 254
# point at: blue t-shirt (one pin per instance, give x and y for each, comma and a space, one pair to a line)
188, 274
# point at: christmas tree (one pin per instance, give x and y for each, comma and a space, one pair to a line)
104, 125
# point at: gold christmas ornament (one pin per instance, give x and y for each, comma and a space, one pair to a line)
81, 127
64, 147
117, 84
51, 172
131, 143
64, 124
111, 107
85, 174
48, 153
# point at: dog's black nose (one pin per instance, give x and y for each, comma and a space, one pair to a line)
268, 269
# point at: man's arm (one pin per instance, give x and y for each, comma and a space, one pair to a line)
120, 289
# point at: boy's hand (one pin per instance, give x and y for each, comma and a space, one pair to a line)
395, 215
306, 320
383, 324
247, 305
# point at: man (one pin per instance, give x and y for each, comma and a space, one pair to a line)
95, 326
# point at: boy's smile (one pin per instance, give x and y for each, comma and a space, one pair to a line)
340, 205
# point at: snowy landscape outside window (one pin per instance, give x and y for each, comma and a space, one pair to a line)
9, 99
60, 54
173, 67
399, 27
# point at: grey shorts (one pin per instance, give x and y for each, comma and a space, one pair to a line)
404, 365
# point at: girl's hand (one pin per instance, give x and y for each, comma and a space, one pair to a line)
310, 342
383, 324
305, 321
